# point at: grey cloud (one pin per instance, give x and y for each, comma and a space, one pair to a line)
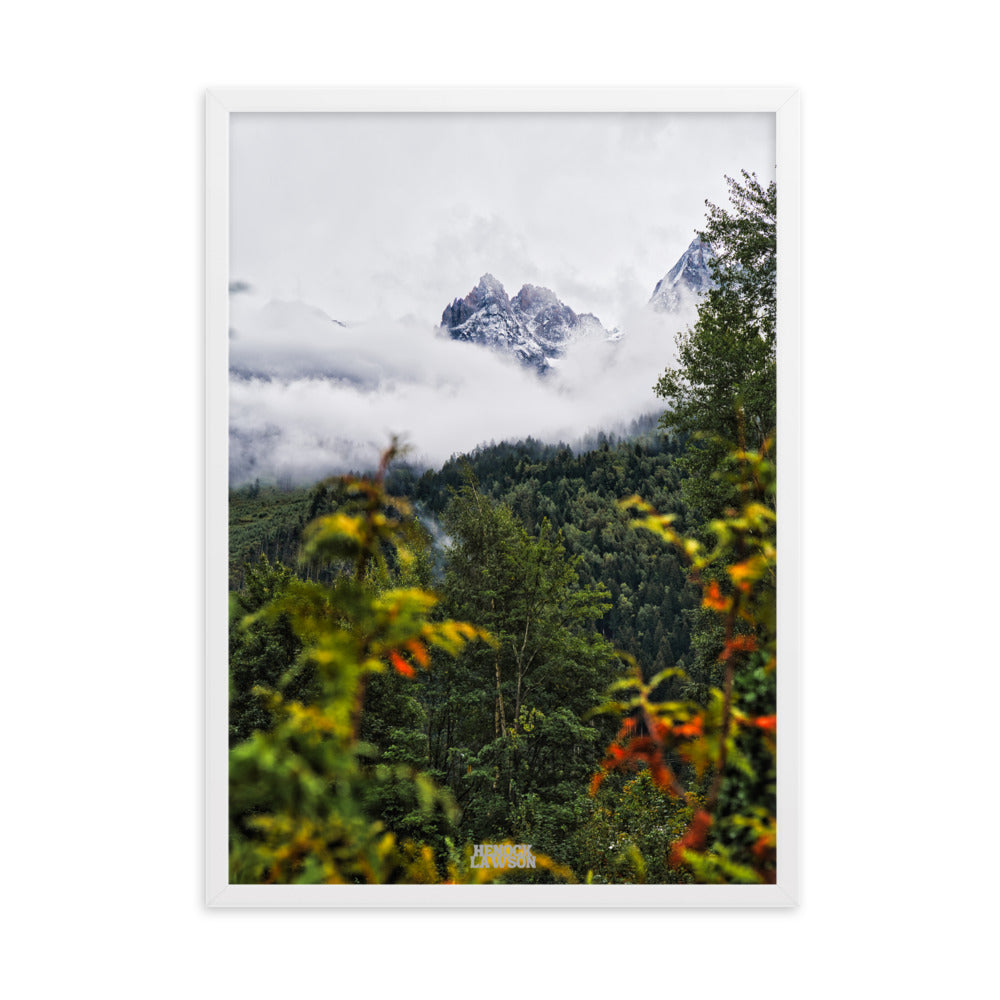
340, 393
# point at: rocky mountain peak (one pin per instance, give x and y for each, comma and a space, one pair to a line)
688, 280
488, 291
531, 299
489, 288
534, 326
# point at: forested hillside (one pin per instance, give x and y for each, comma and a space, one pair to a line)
577, 494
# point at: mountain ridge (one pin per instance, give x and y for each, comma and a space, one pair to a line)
535, 326
687, 281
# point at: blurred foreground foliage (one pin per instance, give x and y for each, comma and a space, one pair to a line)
705, 732
727, 740
302, 783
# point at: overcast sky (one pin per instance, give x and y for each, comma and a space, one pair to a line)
396, 215
382, 220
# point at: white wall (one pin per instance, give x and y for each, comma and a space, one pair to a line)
101, 181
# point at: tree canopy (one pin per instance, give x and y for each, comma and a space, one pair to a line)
722, 393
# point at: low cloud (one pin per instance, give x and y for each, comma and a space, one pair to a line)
310, 397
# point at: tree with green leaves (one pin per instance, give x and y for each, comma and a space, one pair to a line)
262, 653
728, 741
308, 802
722, 393
578, 495
298, 787
744, 242
510, 717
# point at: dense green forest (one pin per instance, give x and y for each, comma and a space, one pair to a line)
518, 647
576, 494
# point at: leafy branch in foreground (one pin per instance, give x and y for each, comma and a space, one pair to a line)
730, 749
297, 789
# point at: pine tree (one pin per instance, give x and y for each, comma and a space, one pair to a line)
722, 393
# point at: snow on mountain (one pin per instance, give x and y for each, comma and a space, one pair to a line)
687, 281
534, 326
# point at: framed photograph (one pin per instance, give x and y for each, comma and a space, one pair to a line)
494, 385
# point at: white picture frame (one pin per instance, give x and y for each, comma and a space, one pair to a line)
220, 104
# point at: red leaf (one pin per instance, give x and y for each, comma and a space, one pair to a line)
401, 665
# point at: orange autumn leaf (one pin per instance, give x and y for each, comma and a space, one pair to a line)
693, 728
714, 599
744, 572
738, 644
662, 776
661, 730
401, 665
641, 746
419, 652
769, 723
699, 828
694, 838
